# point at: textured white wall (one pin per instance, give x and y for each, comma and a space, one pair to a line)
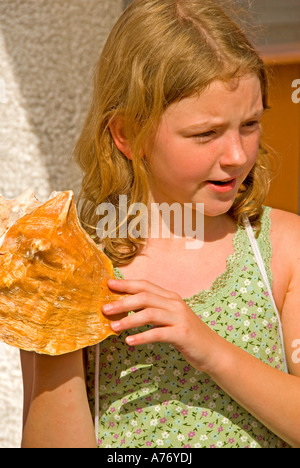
47, 52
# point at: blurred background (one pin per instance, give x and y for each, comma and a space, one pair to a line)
48, 49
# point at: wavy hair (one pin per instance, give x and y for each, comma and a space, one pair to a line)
158, 52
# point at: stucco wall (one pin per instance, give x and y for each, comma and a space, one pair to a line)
47, 52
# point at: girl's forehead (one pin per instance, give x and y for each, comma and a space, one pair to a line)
244, 92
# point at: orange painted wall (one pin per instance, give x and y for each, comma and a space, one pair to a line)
281, 126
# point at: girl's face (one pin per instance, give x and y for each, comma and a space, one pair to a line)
206, 145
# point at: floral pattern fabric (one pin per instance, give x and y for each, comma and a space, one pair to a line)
149, 396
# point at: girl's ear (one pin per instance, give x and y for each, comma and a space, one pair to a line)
116, 127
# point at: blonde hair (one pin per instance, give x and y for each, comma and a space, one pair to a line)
159, 52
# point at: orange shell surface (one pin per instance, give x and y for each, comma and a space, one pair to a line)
53, 282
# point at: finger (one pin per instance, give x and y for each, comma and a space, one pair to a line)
155, 335
138, 302
136, 286
156, 317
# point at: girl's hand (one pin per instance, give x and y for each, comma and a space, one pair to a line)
174, 322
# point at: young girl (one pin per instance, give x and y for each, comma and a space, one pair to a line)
205, 355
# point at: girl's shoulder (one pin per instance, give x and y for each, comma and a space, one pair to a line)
285, 236
285, 226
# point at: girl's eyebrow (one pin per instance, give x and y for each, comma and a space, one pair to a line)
259, 113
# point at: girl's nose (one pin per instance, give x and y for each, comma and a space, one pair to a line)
233, 153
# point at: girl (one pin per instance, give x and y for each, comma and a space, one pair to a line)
204, 355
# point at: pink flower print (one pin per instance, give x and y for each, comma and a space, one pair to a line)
164, 390
253, 316
230, 328
184, 412
244, 269
270, 359
139, 410
124, 401
148, 443
213, 323
118, 381
100, 441
111, 424
212, 446
148, 398
163, 420
270, 326
266, 293
220, 429
206, 398
233, 293
186, 369
235, 415
237, 314
191, 434
131, 348
116, 436
138, 431
157, 357
250, 303
206, 381
231, 441
133, 369
146, 381
122, 441
187, 446
113, 409
166, 402
218, 309
211, 425
274, 348
204, 414
195, 387
182, 381
253, 335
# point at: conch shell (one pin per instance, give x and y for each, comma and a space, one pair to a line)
53, 277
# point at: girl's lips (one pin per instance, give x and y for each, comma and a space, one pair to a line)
221, 187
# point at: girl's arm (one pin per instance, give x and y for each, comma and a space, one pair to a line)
272, 396
56, 410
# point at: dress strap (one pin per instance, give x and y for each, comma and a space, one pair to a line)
262, 269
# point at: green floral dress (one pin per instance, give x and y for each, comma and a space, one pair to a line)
149, 396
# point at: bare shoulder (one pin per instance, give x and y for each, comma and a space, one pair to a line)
286, 227
285, 236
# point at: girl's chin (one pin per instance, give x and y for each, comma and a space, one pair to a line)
217, 209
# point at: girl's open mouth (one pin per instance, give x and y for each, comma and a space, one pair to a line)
222, 186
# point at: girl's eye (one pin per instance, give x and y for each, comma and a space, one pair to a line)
252, 123
205, 134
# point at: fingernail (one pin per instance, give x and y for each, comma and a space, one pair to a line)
129, 340
107, 307
115, 326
